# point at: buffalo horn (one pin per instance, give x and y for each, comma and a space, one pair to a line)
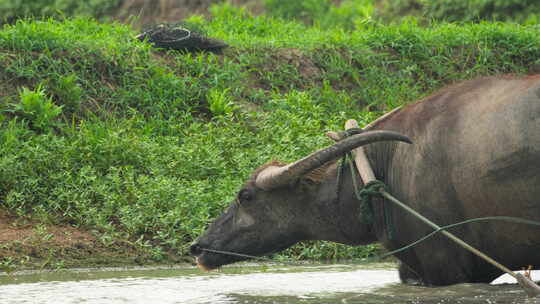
274, 176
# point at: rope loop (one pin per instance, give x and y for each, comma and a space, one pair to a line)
369, 190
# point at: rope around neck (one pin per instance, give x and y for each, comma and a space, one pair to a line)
369, 190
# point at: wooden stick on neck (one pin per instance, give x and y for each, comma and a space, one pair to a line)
360, 158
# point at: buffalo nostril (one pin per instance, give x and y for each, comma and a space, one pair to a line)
195, 250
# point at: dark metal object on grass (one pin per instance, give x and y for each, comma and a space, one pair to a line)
178, 37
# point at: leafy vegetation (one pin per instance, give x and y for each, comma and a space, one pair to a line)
329, 14
522, 11
99, 130
15, 9
38, 109
323, 13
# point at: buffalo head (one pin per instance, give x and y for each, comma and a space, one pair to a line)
284, 204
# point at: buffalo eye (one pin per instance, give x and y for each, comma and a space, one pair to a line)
245, 196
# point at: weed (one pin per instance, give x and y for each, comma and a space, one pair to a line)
69, 92
37, 108
58, 265
42, 233
219, 102
9, 264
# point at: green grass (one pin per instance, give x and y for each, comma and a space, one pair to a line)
101, 131
15, 9
323, 13
520, 11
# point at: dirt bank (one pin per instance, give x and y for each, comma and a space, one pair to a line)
28, 244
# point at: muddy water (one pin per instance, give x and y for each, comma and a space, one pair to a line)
248, 284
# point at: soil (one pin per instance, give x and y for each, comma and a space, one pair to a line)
308, 71
305, 66
19, 229
29, 244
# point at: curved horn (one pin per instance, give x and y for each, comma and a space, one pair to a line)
273, 176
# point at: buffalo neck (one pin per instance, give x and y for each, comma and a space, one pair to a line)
343, 207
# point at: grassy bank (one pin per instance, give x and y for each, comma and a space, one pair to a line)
325, 13
143, 147
520, 11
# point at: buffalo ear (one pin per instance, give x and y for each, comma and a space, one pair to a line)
319, 174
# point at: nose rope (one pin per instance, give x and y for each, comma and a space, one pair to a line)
241, 255
378, 258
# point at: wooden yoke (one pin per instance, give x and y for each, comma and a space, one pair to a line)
360, 158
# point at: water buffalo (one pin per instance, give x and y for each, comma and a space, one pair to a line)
476, 153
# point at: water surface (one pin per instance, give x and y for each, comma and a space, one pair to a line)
249, 284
